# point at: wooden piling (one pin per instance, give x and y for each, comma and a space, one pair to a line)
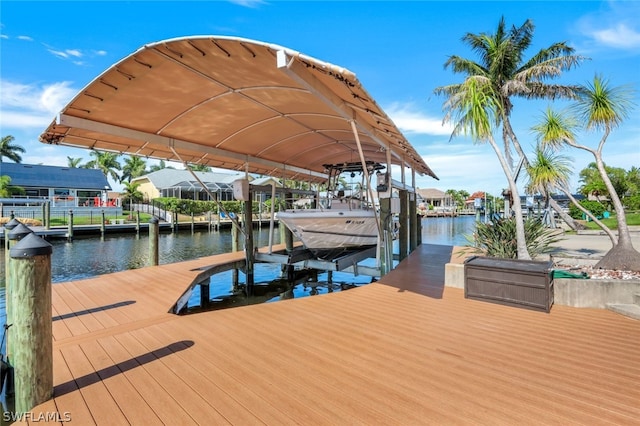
386, 259
248, 242
138, 222
70, 226
235, 246
403, 232
192, 223
31, 336
102, 224
47, 215
413, 222
205, 296
153, 241
8, 227
18, 233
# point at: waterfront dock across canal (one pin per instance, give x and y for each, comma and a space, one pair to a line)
404, 350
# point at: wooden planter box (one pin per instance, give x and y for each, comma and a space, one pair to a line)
520, 283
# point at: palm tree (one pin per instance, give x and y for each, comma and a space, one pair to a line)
107, 162
10, 150
503, 66
7, 190
549, 172
474, 110
161, 165
592, 183
199, 167
599, 107
73, 162
131, 193
134, 167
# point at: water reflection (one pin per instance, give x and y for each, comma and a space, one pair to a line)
89, 256
448, 231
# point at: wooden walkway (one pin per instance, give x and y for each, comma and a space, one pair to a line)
403, 351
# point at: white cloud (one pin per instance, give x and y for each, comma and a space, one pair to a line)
28, 106
74, 52
4, 36
58, 53
248, 3
614, 27
620, 36
411, 121
25, 38
65, 53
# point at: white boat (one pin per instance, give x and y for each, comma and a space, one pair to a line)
347, 222
324, 231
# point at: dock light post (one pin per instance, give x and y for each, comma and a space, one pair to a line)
31, 333
153, 241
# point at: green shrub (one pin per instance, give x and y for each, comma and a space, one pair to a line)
595, 207
498, 238
196, 206
632, 203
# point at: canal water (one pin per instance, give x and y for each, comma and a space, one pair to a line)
87, 257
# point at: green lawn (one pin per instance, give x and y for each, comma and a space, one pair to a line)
633, 219
95, 220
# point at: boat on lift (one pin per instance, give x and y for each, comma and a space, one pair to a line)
345, 218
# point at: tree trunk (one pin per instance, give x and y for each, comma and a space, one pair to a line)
620, 258
604, 227
624, 237
571, 222
521, 242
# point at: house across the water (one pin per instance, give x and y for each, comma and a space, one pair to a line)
66, 187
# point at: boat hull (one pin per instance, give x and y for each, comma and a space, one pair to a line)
322, 230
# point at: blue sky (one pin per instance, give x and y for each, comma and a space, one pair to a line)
50, 50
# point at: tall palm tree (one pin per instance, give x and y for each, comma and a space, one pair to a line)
107, 162
134, 167
73, 162
474, 110
502, 63
599, 107
9, 150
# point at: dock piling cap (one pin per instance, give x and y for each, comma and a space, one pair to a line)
12, 224
19, 232
30, 246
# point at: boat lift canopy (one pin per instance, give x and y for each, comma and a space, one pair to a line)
236, 104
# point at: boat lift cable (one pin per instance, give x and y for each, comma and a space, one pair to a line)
234, 219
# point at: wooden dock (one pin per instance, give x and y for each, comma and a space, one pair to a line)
405, 350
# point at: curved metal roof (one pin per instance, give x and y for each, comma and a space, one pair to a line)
232, 103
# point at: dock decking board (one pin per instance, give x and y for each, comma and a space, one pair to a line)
404, 350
